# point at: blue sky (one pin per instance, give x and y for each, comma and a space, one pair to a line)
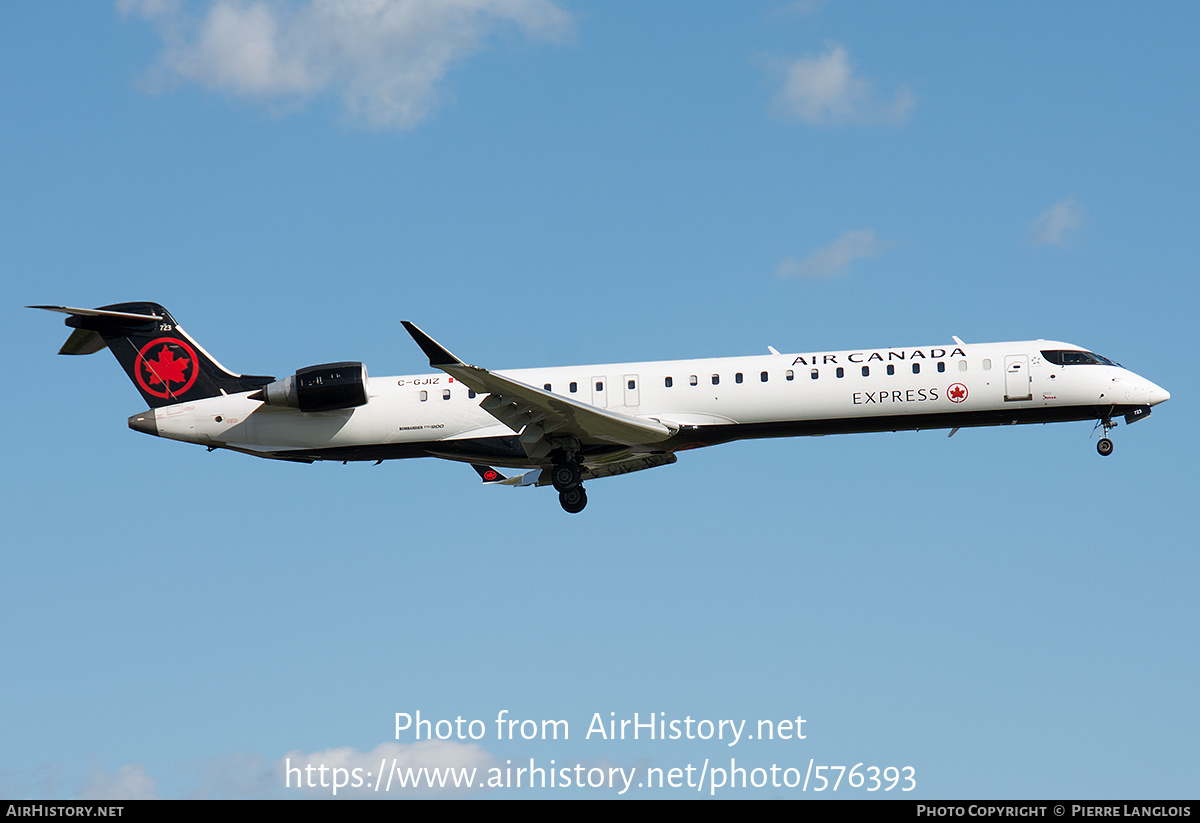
548, 183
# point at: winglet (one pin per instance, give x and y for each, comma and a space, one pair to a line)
487, 474
438, 356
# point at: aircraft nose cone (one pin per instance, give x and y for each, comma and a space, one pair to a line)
1158, 395
144, 423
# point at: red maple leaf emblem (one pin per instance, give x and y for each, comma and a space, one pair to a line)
957, 393
167, 368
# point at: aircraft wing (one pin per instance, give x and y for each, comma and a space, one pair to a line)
538, 414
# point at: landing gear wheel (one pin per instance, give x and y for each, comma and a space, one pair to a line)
573, 500
565, 476
1105, 446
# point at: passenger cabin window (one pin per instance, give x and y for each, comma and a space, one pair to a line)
471, 394
791, 375
841, 372
668, 382
573, 387
866, 371
763, 377
599, 385
941, 366
632, 385
962, 365
445, 394
424, 395
716, 379
891, 368
693, 380
546, 387
987, 364
916, 368
737, 378
814, 374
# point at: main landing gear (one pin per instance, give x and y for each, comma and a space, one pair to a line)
566, 478
1105, 446
573, 501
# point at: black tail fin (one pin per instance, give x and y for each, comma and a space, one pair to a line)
164, 363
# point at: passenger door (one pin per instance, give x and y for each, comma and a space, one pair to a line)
1016, 377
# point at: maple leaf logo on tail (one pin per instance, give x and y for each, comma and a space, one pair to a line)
165, 367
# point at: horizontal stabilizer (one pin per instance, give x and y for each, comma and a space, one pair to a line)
122, 315
87, 341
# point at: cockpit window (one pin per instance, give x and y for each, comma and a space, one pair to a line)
1073, 357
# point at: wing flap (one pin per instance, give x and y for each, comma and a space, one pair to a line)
629, 464
541, 477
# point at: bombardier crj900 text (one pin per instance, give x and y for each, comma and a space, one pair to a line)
568, 425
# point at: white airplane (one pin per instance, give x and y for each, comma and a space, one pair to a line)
566, 425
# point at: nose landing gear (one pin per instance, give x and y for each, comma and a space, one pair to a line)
1105, 446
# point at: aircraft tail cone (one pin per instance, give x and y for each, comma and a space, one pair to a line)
144, 423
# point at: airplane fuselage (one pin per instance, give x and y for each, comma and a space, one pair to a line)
572, 424
701, 402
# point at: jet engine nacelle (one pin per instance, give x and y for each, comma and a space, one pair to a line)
320, 388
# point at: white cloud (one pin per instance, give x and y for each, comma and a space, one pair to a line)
129, 783
385, 59
429, 754
825, 90
1051, 226
238, 776
834, 259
